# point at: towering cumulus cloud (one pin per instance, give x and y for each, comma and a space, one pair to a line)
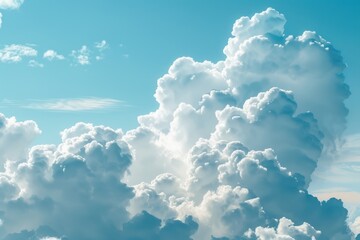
228, 154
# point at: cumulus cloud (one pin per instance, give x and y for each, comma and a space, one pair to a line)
275, 108
15, 138
10, 4
77, 181
263, 189
258, 57
251, 127
78, 178
81, 56
76, 104
268, 58
229, 153
15, 53
52, 55
287, 231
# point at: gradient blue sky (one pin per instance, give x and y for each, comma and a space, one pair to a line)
144, 37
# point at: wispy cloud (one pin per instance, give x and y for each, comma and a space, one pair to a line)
340, 178
101, 47
75, 104
15, 53
36, 64
53, 55
346, 167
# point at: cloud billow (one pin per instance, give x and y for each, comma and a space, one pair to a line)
256, 122
228, 154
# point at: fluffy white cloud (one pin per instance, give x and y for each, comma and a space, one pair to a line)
79, 178
15, 138
53, 55
215, 119
10, 4
268, 59
186, 82
258, 57
153, 157
287, 231
264, 182
355, 226
81, 56
15, 53
268, 120
78, 181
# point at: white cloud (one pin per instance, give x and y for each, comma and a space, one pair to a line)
101, 46
52, 55
355, 226
34, 63
15, 53
265, 121
15, 138
215, 119
78, 181
75, 178
76, 104
11, 4
257, 59
81, 56
287, 231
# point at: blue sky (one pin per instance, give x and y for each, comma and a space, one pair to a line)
144, 38
183, 119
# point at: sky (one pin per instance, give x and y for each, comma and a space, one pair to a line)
143, 39
159, 113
